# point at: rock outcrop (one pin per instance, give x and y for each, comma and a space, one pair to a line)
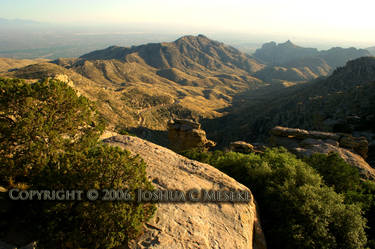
241, 146
246, 148
192, 225
305, 143
185, 134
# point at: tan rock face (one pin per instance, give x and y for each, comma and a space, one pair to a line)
305, 143
192, 225
185, 134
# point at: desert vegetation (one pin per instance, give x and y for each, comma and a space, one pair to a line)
49, 140
317, 202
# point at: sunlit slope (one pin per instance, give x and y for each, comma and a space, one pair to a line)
150, 84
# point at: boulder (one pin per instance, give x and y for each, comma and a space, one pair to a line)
307, 148
302, 134
280, 131
241, 146
185, 134
192, 225
305, 143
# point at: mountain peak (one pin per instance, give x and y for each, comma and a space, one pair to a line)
189, 51
289, 44
192, 38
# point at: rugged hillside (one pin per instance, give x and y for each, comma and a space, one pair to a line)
297, 70
186, 53
11, 64
145, 86
337, 57
278, 54
344, 102
290, 62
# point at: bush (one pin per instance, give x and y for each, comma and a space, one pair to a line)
345, 179
96, 224
49, 140
335, 171
39, 121
297, 209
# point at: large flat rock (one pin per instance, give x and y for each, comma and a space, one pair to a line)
192, 225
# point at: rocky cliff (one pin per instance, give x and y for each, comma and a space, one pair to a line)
185, 134
305, 143
187, 225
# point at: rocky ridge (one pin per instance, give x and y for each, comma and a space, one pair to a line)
305, 143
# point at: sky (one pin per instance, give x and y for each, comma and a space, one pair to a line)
319, 20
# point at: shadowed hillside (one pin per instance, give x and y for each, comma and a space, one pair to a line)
344, 102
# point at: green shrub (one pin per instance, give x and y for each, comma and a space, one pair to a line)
49, 140
38, 121
297, 209
335, 171
345, 179
96, 224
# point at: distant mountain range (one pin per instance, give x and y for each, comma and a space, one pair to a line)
371, 50
290, 62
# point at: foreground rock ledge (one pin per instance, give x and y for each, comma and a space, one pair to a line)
187, 225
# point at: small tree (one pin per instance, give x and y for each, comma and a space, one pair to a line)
38, 122
92, 224
49, 140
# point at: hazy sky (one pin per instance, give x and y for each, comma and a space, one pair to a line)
341, 21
